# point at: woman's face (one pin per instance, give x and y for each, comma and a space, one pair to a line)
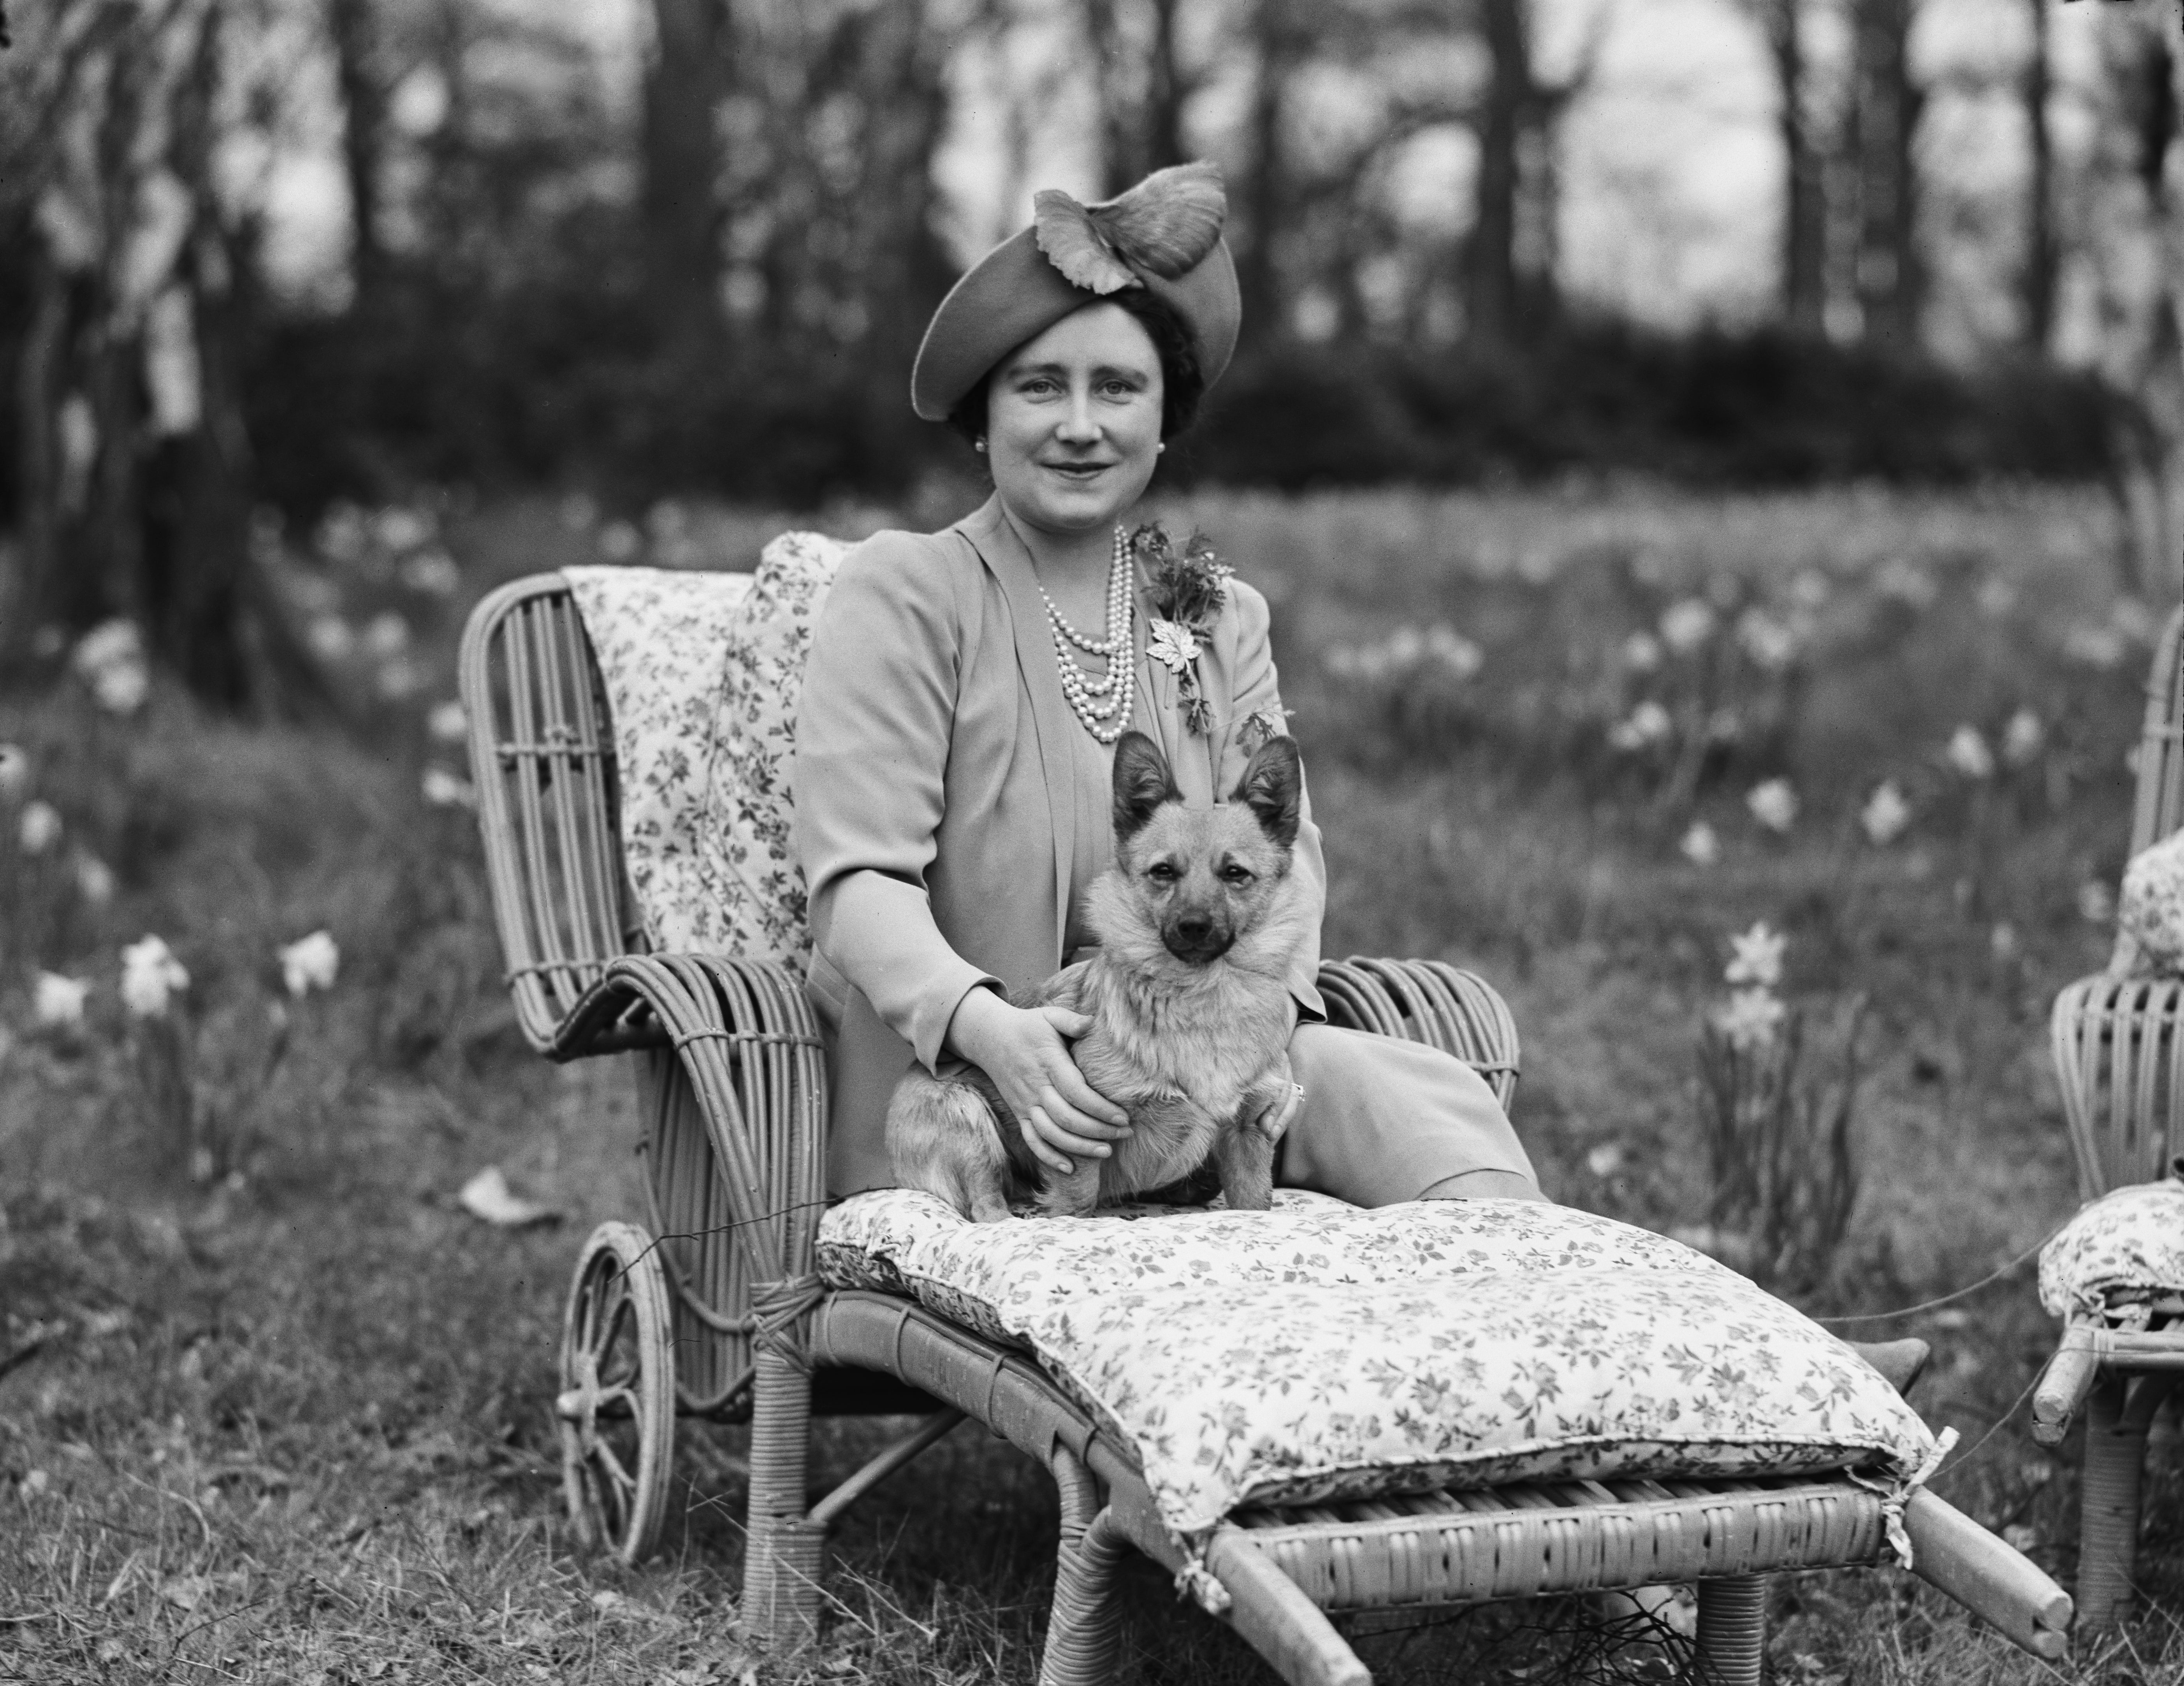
1073, 421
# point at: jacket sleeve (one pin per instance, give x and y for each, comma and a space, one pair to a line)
1258, 692
872, 730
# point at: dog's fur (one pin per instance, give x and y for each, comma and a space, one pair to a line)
1199, 921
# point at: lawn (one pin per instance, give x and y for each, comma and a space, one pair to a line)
273, 1407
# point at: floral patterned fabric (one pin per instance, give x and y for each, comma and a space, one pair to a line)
748, 837
659, 636
2123, 1248
1321, 1351
702, 672
2150, 912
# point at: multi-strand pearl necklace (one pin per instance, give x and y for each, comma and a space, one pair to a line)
1102, 704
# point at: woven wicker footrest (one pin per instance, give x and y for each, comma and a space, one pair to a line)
1521, 1541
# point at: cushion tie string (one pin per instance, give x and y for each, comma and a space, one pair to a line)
1895, 1494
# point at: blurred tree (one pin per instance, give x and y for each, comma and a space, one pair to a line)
2043, 257
361, 75
1280, 41
1803, 276
685, 81
1886, 104
2136, 239
1510, 253
135, 471
1142, 85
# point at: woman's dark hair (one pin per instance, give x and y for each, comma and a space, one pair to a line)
1183, 381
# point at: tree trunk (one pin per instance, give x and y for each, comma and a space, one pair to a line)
1276, 49
681, 210
1804, 198
2042, 254
1491, 303
1884, 121
1141, 94
362, 82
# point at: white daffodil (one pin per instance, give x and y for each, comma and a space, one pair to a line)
1700, 846
2023, 739
1454, 652
449, 722
1885, 815
1774, 805
1687, 624
385, 635
444, 789
1751, 1019
1770, 645
108, 644
1173, 645
94, 879
1648, 724
151, 976
1641, 652
310, 963
56, 1002
1756, 957
39, 829
14, 771
432, 573
330, 638
2096, 902
1968, 755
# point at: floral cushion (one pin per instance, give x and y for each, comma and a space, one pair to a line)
1321, 1351
659, 637
2123, 1248
2150, 911
702, 672
749, 839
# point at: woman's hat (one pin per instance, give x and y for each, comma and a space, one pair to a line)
1164, 234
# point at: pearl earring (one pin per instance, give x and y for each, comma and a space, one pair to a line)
1158, 448
977, 444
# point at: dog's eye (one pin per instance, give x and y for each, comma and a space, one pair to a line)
1160, 872
1237, 875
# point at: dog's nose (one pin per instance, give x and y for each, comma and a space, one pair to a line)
1194, 928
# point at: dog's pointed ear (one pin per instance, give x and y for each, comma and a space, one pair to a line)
1142, 782
1272, 787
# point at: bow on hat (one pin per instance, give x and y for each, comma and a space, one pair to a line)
1166, 225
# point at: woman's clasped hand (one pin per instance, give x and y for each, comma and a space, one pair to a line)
1025, 1051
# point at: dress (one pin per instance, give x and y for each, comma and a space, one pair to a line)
944, 796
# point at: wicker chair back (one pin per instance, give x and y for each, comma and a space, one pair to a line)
542, 753
2119, 1057
2160, 808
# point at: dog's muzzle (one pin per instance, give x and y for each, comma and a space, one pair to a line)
1197, 941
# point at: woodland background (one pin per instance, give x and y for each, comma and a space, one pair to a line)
704, 273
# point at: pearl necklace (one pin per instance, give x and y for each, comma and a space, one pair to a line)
1102, 706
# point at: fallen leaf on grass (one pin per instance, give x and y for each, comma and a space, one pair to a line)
185, 1592
620, 1607
488, 1195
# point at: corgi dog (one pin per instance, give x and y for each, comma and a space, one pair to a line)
1199, 922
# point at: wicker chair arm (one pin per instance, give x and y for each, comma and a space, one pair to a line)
748, 1040
1427, 1001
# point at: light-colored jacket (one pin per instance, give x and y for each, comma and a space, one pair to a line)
935, 803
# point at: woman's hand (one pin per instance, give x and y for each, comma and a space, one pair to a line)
1025, 1053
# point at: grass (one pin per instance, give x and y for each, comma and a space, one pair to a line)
286, 1423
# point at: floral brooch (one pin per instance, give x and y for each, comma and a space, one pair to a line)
1186, 589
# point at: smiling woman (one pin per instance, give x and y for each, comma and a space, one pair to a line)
965, 689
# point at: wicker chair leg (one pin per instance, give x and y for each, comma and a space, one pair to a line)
1086, 1627
782, 1549
2107, 1521
1732, 1636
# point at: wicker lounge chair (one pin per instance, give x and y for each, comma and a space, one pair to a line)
733, 1324
2120, 1064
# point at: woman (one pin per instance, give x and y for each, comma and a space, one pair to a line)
964, 692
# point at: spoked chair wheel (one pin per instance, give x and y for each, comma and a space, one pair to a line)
616, 1405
